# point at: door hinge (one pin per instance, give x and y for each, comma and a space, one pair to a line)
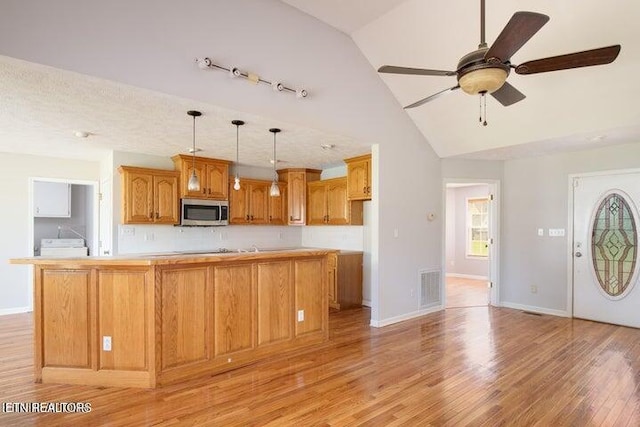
576, 182
100, 197
490, 284
491, 241
491, 197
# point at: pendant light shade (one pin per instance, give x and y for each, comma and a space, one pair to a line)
194, 181
275, 190
236, 181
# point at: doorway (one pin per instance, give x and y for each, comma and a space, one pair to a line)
62, 209
471, 241
605, 258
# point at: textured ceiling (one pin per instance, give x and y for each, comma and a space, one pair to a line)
43, 107
131, 78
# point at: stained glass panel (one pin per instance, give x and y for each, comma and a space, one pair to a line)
614, 244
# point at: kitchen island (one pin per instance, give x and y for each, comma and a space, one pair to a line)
148, 320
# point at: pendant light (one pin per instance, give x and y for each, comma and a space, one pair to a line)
275, 190
236, 182
194, 182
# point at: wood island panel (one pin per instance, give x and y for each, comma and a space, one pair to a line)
66, 333
173, 317
186, 309
311, 295
122, 296
233, 308
275, 314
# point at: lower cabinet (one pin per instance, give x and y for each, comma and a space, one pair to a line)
345, 279
136, 325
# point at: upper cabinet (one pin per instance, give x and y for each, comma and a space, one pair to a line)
51, 199
359, 177
297, 180
327, 204
252, 204
149, 196
212, 173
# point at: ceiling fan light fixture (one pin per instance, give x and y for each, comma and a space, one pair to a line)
483, 80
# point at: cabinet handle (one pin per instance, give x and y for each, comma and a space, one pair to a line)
364, 189
247, 218
251, 217
157, 215
290, 217
151, 215
209, 190
269, 218
368, 189
204, 191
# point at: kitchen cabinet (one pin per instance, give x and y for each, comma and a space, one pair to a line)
174, 318
345, 279
51, 199
212, 173
149, 196
297, 180
252, 204
327, 204
359, 177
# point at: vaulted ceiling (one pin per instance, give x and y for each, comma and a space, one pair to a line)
125, 72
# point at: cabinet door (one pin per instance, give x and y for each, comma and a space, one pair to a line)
217, 181
358, 175
316, 203
165, 199
337, 204
259, 203
278, 207
51, 199
138, 198
297, 198
187, 169
332, 264
239, 205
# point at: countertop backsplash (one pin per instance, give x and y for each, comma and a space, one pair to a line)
133, 239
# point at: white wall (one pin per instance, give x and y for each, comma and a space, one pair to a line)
15, 172
536, 196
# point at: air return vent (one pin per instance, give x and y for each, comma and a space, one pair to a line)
430, 295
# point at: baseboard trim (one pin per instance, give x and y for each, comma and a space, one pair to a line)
467, 276
15, 310
403, 317
366, 303
534, 309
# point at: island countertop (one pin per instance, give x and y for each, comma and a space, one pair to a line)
151, 319
169, 258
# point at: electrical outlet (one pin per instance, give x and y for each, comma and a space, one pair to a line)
541, 232
556, 232
300, 315
534, 289
106, 343
128, 231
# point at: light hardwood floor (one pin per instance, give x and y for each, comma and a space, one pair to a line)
466, 292
477, 366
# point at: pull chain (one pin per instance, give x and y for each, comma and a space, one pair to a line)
483, 109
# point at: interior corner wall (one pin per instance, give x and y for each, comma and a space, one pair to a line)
409, 190
15, 172
536, 195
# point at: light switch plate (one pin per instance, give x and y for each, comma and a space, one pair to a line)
556, 232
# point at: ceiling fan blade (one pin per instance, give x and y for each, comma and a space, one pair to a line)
520, 28
508, 95
587, 58
431, 97
415, 71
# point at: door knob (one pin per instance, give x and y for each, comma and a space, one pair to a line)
578, 254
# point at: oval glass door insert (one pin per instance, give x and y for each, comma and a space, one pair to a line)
614, 243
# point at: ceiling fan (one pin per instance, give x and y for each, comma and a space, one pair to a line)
486, 69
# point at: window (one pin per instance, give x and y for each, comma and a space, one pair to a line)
478, 227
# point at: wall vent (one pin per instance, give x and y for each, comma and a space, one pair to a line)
430, 288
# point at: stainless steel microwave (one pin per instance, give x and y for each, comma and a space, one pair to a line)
204, 213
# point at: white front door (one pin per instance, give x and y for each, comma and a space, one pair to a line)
605, 248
